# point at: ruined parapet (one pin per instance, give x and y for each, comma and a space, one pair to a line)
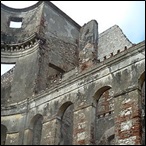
88, 44
111, 42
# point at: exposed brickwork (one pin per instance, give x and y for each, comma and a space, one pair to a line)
80, 128
105, 104
88, 88
83, 132
128, 123
104, 112
143, 113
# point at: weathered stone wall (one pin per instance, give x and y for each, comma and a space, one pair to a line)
84, 126
52, 97
143, 112
119, 74
104, 116
6, 82
110, 41
59, 46
37, 131
30, 23
88, 45
3, 134
66, 129
24, 78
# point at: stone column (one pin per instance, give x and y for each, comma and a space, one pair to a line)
49, 131
84, 122
12, 139
128, 118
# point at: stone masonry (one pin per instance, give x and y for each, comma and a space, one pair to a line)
70, 84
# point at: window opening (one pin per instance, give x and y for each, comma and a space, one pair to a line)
15, 22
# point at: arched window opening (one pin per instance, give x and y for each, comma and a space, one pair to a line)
104, 114
36, 129
3, 134
66, 124
105, 104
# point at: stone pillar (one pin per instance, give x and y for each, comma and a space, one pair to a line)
27, 137
84, 122
49, 131
88, 43
128, 119
12, 139
22, 129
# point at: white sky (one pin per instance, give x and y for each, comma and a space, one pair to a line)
129, 15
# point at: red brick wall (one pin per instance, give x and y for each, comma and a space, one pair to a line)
128, 123
104, 116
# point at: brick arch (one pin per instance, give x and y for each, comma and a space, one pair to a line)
62, 109
3, 134
104, 115
98, 93
35, 130
65, 123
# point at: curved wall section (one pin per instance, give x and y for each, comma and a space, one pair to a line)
30, 18
11, 53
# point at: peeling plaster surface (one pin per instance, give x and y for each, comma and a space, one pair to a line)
88, 88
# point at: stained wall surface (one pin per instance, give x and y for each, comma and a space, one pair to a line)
71, 85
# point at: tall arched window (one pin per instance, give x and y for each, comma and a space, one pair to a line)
66, 123
3, 134
104, 114
36, 130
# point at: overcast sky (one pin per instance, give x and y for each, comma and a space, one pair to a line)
129, 15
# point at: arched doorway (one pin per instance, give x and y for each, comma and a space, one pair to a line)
3, 134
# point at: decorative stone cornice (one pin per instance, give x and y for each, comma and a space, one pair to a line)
26, 45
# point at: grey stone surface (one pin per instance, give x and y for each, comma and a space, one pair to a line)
48, 99
110, 41
30, 24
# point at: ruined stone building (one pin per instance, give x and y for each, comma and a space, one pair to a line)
70, 85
